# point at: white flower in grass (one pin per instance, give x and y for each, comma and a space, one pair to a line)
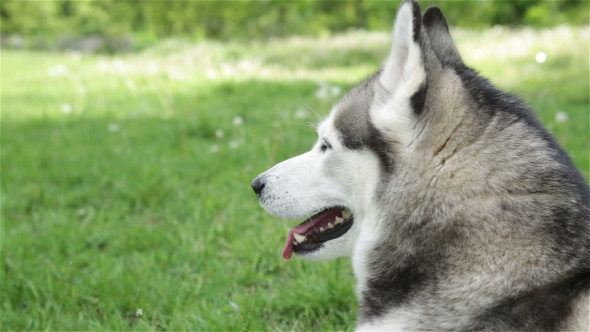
188, 60
234, 306
119, 66
300, 114
237, 121
335, 90
541, 57
138, 312
325, 90
66, 108
561, 117
219, 133
227, 70
215, 148
102, 66
75, 55
113, 127
211, 74
234, 144
176, 76
58, 70
321, 93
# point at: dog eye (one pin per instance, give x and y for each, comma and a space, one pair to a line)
325, 146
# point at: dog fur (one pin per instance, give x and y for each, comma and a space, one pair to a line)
467, 213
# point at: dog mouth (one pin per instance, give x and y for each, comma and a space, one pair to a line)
310, 235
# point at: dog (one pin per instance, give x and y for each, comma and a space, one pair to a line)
457, 207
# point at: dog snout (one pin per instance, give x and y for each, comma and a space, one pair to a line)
258, 185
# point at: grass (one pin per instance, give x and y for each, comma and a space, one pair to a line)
125, 180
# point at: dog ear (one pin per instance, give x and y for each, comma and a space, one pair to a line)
437, 29
403, 76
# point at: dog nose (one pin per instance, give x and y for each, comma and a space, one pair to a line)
257, 185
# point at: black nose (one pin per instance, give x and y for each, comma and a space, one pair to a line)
257, 185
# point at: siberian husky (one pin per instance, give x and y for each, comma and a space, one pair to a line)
458, 209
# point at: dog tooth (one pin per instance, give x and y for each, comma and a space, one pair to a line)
321, 229
294, 243
330, 225
300, 238
338, 220
346, 213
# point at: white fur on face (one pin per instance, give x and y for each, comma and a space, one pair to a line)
301, 186
297, 187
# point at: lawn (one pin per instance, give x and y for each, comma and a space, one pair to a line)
126, 199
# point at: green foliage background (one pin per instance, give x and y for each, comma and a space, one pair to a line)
247, 19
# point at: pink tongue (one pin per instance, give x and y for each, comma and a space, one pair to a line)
317, 221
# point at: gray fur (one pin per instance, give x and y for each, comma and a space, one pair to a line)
495, 197
435, 25
483, 221
355, 127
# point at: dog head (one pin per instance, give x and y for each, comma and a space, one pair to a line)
369, 135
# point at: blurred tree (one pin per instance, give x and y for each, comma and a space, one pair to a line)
249, 18
29, 18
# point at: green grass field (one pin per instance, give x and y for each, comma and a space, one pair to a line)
126, 200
